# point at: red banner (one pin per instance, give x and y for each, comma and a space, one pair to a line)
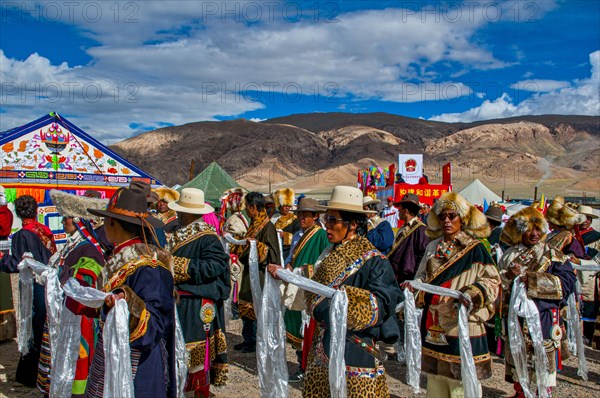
427, 192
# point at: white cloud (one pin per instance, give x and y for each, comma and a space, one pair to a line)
580, 97
181, 61
539, 85
257, 119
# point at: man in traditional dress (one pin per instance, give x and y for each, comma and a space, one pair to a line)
590, 281
270, 206
307, 245
8, 323
142, 274
202, 281
562, 221
591, 237
410, 243
549, 279
379, 230
263, 231
233, 201
286, 223
152, 201
455, 259
37, 239
82, 258
236, 225
164, 214
494, 217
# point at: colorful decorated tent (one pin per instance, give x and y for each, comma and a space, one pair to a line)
53, 153
213, 180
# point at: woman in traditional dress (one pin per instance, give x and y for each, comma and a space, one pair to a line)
549, 279
37, 239
455, 259
354, 264
142, 274
82, 258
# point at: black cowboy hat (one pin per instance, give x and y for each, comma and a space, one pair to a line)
130, 206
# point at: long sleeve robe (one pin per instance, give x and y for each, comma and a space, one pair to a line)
202, 280
372, 298
550, 281
26, 241
148, 287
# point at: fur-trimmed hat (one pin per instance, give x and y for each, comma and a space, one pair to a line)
69, 205
283, 197
233, 199
560, 214
474, 222
167, 194
521, 222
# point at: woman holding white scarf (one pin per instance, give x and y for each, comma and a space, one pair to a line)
354, 264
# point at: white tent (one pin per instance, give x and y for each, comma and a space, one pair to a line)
476, 192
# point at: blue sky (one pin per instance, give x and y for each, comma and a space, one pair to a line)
115, 68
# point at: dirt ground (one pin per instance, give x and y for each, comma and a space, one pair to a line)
243, 379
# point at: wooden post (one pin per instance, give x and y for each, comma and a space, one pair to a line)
191, 171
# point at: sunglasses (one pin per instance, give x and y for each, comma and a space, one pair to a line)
449, 216
332, 220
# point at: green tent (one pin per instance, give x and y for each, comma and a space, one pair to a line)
213, 180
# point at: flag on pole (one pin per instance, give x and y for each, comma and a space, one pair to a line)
447, 174
542, 205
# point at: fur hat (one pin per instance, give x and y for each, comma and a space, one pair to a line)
69, 205
474, 222
521, 222
560, 214
167, 194
283, 197
233, 199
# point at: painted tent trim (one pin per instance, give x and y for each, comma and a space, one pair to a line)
52, 151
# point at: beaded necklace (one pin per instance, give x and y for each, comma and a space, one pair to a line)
444, 249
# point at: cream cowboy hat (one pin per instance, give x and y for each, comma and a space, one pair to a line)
345, 198
191, 201
587, 211
367, 200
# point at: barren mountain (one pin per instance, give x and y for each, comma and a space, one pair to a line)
314, 152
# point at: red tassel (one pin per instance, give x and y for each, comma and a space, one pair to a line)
307, 342
558, 359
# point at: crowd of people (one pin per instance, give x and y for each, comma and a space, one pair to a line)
170, 256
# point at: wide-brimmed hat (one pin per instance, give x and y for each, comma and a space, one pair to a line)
368, 201
587, 211
409, 198
308, 204
129, 206
344, 198
191, 201
145, 188
69, 205
494, 213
